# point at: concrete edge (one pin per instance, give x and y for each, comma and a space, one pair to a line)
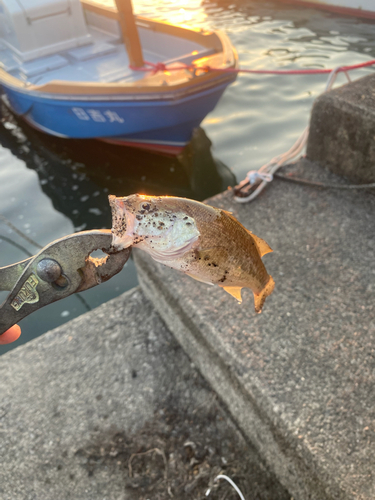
298, 475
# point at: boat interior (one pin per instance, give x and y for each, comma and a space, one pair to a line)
82, 41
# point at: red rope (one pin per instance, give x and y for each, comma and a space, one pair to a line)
149, 66
155, 68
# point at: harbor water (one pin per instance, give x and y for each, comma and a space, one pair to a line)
52, 187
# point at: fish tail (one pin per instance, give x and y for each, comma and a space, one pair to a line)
260, 298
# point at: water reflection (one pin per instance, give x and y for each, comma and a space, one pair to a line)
77, 177
302, 28
263, 115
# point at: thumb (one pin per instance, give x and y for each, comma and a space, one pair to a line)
10, 335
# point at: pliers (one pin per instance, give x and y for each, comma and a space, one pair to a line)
60, 269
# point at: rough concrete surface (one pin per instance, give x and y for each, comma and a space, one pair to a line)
300, 377
109, 407
342, 130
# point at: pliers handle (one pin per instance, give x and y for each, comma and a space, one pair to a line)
60, 269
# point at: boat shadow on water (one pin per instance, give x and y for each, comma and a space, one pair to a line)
78, 175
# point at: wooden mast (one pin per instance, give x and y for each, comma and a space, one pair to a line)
130, 32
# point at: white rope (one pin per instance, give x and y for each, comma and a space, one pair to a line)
232, 483
253, 175
266, 172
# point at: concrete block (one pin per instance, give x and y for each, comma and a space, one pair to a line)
299, 378
342, 130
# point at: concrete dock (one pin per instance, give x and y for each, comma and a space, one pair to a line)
154, 393
109, 407
299, 378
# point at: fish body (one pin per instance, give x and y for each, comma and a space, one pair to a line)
206, 243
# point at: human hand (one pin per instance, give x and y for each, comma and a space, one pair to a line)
10, 335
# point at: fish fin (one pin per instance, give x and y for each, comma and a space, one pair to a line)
261, 297
263, 247
227, 212
235, 291
195, 277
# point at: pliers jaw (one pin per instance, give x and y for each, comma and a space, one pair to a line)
60, 269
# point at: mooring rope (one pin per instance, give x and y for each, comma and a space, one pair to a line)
159, 66
19, 232
256, 180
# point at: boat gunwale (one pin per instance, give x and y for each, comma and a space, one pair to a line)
150, 94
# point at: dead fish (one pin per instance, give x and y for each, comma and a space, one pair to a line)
204, 242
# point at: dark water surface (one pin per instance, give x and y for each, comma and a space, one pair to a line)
53, 187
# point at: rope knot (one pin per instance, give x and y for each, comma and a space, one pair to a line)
149, 66
254, 175
159, 67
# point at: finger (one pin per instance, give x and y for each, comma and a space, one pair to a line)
10, 335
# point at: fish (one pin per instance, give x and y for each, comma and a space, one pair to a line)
206, 243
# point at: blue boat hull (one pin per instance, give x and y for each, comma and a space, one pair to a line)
167, 122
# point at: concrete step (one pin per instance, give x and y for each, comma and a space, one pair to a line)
108, 406
299, 378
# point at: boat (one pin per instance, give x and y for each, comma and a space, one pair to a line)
84, 70
356, 8
68, 171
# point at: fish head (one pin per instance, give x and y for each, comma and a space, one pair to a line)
158, 225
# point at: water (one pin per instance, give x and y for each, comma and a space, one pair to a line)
52, 187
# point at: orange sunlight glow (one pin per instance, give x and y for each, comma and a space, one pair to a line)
179, 12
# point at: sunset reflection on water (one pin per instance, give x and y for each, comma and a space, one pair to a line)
189, 12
